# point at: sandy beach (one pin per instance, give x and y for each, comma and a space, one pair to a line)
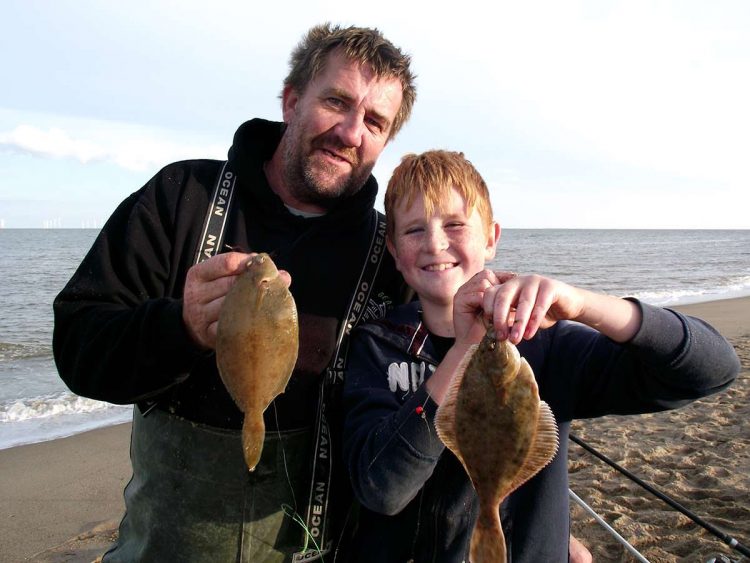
698, 455
62, 500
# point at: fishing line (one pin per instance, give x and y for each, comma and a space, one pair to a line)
294, 515
419, 411
344, 526
291, 512
727, 539
383, 448
283, 456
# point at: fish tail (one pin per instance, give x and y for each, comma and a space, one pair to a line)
253, 434
488, 541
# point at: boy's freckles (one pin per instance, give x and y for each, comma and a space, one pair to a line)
438, 253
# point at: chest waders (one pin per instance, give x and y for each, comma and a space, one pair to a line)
191, 497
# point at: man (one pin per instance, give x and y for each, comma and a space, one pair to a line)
137, 321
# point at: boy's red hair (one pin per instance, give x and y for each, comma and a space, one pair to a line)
433, 174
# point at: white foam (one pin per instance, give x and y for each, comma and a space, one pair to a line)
36, 419
31, 431
740, 288
44, 407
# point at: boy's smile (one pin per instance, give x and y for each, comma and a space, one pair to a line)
439, 267
437, 254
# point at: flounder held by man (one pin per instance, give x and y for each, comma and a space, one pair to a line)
257, 342
494, 422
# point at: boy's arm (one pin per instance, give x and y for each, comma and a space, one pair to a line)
524, 304
390, 448
637, 358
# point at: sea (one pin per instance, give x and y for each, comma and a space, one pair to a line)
661, 267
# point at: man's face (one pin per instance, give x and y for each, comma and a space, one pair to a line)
336, 129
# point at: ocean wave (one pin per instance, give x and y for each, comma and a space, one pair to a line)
735, 287
50, 406
10, 351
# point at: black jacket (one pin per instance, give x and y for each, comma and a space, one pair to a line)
119, 334
418, 502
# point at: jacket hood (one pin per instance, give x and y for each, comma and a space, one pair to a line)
254, 143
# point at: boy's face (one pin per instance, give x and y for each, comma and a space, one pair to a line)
438, 254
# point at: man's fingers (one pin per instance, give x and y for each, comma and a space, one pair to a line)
285, 277
206, 285
222, 265
213, 278
210, 333
202, 292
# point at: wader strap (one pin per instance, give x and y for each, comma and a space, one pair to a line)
216, 217
212, 235
317, 507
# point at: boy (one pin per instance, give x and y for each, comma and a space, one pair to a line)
417, 502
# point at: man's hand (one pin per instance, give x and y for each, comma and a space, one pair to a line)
206, 285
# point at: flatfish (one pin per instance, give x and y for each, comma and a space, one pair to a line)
257, 342
494, 422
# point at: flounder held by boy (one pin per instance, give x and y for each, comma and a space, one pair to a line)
494, 422
257, 342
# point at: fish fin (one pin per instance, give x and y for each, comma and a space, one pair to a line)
446, 414
544, 448
253, 435
488, 540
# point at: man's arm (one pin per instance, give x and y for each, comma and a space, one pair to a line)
119, 332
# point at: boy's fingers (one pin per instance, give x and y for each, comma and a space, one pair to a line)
503, 277
501, 308
527, 302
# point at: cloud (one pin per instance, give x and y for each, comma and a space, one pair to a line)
50, 143
128, 147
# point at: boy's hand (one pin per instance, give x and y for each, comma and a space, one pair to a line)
521, 305
206, 285
468, 305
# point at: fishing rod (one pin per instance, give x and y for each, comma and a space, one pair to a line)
591, 512
727, 539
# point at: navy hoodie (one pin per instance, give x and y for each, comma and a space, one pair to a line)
418, 503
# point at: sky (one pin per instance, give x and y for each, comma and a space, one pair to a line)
578, 114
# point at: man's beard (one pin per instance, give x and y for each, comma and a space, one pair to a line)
320, 183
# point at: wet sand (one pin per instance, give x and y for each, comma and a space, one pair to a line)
62, 500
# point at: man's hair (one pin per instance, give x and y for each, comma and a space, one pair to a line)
433, 174
360, 44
